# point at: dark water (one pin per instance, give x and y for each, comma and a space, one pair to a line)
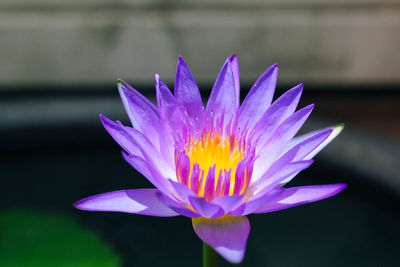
359, 227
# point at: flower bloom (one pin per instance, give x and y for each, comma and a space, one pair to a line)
216, 164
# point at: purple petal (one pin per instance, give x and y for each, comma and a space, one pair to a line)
153, 175
278, 141
174, 120
121, 136
235, 71
138, 201
187, 92
205, 208
252, 205
284, 161
308, 145
223, 99
227, 235
279, 111
228, 203
270, 181
183, 191
140, 165
177, 207
300, 195
304, 148
143, 114
259, 98
258, 195
136, 144
334, 131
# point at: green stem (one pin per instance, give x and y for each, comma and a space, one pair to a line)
210, 257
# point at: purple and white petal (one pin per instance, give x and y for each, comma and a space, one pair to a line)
121, 136
227, 235
252, 205
187, 92
179, 207
206, 209
229, 203
143, 114
175, 122
270, 182
223, 100
278, 112
295, 196
278, 141
138, 201
139, 164
259, 97
235, 71
150, 153
334, 131
182, 191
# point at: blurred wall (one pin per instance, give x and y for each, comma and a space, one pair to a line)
95, 41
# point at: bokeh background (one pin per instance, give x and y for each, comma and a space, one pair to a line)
59, 61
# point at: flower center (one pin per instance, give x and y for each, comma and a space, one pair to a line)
213, 165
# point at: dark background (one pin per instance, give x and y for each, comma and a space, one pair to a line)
59, 63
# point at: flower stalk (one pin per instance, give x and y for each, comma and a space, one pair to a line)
210, 257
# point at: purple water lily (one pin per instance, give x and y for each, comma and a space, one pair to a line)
216, 164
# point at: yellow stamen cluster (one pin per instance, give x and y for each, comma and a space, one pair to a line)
212, 149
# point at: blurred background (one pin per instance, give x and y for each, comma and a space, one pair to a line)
59, 63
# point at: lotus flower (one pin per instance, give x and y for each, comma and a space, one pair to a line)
219, 163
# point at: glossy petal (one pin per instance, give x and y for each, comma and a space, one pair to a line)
143, 114
223, 99
259, 195
278, 141
252, 205
138, 201
235, 71
139, 164
259, 97
270, 181
180, 208
175, 122
229, 203
304, 148
334, 131
136, 139
227, 235
278, 112
121, 136
187, 92
300, 195
206, 209
183, 191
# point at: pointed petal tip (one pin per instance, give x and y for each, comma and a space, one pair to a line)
102, 117
77, 204
181, 59
341, 187
121, 82
296, 90
232, 57
308, 162
310, 107
340, 126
